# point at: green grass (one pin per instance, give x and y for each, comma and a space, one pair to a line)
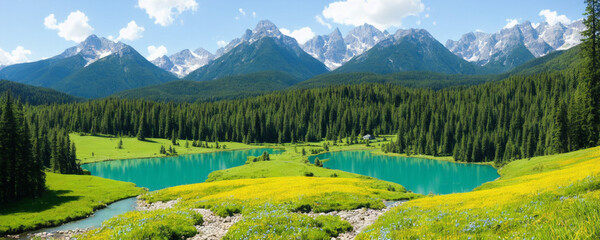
551, 197
284, 225
157, 224
103, 148
67, 198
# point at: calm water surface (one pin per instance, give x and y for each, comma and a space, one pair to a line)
164, 172
155, 174
418, 175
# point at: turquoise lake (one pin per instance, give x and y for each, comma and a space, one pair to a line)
155, 174
418, 175
164, 172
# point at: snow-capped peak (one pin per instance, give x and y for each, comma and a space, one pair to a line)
185, 61
539, 38
93, 49
333, 50
264, 28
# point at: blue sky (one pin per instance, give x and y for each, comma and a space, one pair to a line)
30, 32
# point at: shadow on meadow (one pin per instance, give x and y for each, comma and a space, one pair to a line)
50, 199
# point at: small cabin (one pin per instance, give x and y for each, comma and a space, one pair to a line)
368, 137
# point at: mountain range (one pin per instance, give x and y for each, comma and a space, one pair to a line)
184, 62
513, 46
97, 67
263, 49
334, 50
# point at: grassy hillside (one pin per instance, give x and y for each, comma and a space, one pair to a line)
224, 88
269, 207
103, 147
36, 95
68, 197
553, 62
551, 197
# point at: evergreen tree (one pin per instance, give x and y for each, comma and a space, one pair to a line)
141, 134
559, 130
590, 83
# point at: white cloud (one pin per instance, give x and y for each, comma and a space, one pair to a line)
434, 23
301, 35
18, 55
131, 32
382, 14
418, 22
165, 11
242, 12
321, 21
156, 52
553, 18
254, 14
75, 28
426, 15
510, 23
221, 43
478, 30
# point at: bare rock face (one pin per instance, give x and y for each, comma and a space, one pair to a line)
539, 39
334, 50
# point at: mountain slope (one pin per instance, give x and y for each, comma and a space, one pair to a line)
35, 95
97, 67
334, 50
112, 74
539, 39
184, 62
223, 88
263, 49
409, 50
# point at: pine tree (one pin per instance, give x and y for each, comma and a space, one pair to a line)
559, 131
141, 134
591, 79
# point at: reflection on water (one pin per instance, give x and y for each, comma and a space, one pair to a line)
418, 175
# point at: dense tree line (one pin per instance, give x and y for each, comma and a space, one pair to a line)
21, 174
500, 121
27, 149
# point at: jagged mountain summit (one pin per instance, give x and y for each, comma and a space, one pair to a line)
97, 67
263, 49
184, 62
538, 39
409, 50
92, 49
334, 50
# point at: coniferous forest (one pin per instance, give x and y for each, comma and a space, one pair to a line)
520, 117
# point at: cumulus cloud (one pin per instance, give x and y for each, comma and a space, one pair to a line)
164, 12
242, 12
301, 35
553, 18
155, 52
221, 43
321, 21
131, 32
18, 55
254, 14
510, 23
382, 14
75, 28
